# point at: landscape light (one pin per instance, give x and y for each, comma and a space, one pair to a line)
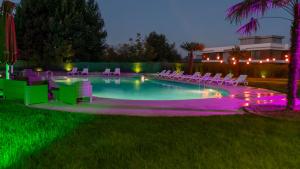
207, 59
233, 58
234, 63
286, 56
248, 63
250, 59
261, 61
268, 60
221, 61
218, 57
274, 59
287, 60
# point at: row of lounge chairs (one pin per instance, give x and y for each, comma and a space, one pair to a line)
85, 71
206, 78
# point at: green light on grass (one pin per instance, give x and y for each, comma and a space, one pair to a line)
24, 131
137, 67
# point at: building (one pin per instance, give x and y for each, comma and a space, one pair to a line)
252, 49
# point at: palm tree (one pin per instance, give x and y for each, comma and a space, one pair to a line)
254, 10
191, 47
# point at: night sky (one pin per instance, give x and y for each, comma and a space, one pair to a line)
188, 20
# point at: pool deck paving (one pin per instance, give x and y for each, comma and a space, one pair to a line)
239, 97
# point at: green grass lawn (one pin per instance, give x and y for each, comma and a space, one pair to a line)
39, 140
24, 131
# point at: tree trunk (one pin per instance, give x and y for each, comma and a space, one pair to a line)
294, 60
190, 66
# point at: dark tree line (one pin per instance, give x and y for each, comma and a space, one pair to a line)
56, 31
153, 48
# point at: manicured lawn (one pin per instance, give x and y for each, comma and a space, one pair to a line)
24, 131
246, 142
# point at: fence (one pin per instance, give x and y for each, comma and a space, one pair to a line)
252, 70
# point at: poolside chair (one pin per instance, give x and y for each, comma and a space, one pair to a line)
73, 72
203, 78
164, 74
160, 73
170, 75
242, 79
117, 72
106, 72
222, 80
85, 71
216, 77
178, 76
187, 77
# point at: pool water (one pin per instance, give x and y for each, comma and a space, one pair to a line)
138, 88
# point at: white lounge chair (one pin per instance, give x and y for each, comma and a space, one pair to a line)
106, 72
216, 77
203, 78
117, 72
85, 71
170, 75
222, 80
178, 75
242, 79
186, 77
73, 72
160, 73
164, 74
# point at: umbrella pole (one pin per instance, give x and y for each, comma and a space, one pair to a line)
7, 72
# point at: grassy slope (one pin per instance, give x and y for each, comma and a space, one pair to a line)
155, 143
24, 131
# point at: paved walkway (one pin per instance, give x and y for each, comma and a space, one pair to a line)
238, 98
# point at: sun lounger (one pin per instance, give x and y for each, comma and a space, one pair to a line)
160, 73
73, 72
170, 75
242, 79
106, 72
164, 74
203, 78
187, 77
222, 80
85, 71
178, 76
214, 78
117, 72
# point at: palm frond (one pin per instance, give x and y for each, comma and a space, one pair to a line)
248, 28
248, 8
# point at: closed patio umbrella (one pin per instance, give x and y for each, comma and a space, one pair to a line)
8, 43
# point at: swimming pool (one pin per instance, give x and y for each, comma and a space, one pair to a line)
139, 88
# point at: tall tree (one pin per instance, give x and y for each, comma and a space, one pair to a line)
191, 47
54, 31
159, 49
249, 9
